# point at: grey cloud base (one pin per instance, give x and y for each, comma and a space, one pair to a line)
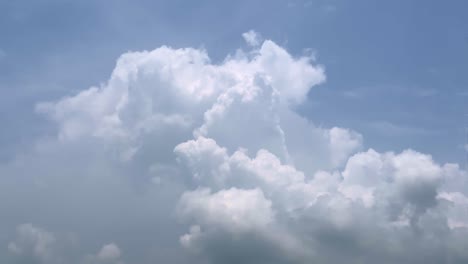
179, 160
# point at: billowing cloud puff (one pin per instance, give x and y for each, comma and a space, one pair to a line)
109, 253
37, 245
34, 243
252, 38
168, 87
384, 195
181, 153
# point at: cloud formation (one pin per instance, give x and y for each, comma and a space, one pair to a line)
251, 38
219, 148
34, 242
37, 245
109, 253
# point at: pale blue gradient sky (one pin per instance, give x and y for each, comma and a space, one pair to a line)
396, 73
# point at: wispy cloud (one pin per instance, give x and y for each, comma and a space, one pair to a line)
393, 129
396, 90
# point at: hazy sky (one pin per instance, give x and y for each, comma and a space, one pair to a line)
317, 131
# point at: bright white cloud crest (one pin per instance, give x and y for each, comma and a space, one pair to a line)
261, 184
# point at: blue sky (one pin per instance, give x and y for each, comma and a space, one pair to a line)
156, 132
396, 70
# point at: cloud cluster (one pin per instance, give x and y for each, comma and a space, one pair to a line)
219, 147
33, 242
37, 245
380, 207
108, 254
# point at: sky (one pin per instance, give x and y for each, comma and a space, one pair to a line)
209, 131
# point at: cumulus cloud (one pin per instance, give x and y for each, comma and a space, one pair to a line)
33, 242
109, 253
214, 157
252, 38
234, 209
394, 194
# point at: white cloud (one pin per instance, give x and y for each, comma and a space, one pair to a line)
34, 242
252, 38
168, 89
384, 190
343, 143
250, 180
235, 210
37, 245
108, 254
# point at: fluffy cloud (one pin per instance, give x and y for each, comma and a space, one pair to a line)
37, 245
252, 38
109, 253
394, 195
175, 88
33, 242
178, 152
235, 209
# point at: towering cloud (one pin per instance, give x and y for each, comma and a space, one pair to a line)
212, 159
